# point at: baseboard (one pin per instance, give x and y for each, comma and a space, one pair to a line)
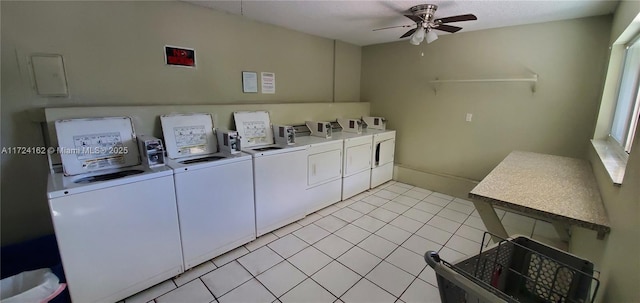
442, 183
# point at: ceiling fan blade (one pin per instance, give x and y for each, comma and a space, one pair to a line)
415, 18
377, 29
467, 17
447, 28
409, 33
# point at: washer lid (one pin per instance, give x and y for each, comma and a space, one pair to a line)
254, 128
95, 144
187, 135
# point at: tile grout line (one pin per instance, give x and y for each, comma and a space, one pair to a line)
336, 259
415, 277
384, 259
307, 276
207, 286
216, 297
174, 278
311, 245
253, 276
154, 299
256, 276
332, 259
400, 245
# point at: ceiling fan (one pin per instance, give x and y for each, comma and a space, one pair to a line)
423, 16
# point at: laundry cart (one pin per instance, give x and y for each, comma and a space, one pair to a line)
517, 269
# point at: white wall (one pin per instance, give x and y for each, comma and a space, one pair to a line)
113, 52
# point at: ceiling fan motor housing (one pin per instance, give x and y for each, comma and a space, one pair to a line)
426, 11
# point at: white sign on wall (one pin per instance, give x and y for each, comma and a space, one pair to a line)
249, 82
268, 82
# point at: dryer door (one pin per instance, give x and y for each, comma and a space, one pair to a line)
357, 159
324, 166
384, 152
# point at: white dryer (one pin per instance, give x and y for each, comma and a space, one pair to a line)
324, 171
356, 172
279, 172
382, 156
116, 225
213, 190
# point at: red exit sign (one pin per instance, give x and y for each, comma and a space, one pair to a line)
180, 56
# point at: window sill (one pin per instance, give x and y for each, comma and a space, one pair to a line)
614, 163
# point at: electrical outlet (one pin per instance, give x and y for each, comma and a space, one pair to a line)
469, 117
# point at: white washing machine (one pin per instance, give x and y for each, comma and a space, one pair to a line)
214, 191
116, 224
279, 172
324, 171
356, 172
382, 156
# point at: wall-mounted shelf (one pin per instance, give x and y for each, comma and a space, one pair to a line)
533, 80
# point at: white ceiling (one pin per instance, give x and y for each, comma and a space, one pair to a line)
353, 21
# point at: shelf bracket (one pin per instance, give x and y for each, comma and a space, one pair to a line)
534, 81
435, 86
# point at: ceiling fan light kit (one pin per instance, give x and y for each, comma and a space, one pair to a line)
417, 37
431, 36
423, 16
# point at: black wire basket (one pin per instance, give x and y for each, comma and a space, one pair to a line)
515, 270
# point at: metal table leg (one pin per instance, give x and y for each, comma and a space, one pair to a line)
490, 219
563, 230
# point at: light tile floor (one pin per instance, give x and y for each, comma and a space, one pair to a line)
365, 249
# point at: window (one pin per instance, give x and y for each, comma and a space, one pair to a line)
626, 113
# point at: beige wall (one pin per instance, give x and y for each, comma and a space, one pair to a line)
621, 256
436, 148
113, 54
620, 264
347, 64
